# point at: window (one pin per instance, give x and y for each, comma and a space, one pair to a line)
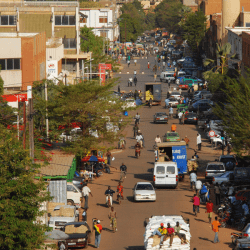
103, 19
170, 170
247, 24
160, 170
65, 20
8, 20
69, 43
10, 64
71, 188
103, 33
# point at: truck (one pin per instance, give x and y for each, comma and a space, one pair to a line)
153, 90
153, 223
176, 152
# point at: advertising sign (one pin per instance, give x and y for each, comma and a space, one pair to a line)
102, 70
52, 69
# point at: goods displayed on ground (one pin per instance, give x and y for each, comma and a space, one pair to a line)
192, 165
153, 243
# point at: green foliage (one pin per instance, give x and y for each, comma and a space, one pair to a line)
20, 196
89, 106
7, 115
168, 14
194, 28
234, 112
150, 21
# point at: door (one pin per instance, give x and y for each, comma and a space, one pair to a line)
171, 173
160, 175
157, 92
180, 157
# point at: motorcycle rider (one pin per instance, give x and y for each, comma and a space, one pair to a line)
139, 139
137, 149
110, 192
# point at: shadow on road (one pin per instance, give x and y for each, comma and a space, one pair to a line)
107, 229
150, 162
101, 205
130, 198
135, 248
206, 239
147, 177
187, 213
200, 220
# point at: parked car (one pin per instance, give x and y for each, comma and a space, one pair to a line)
190, 118
223, 178
160, 117
129, 103
144, 191
183, 86
171, 136
200, 106
214, 169
241, 176
229, 161
242, 240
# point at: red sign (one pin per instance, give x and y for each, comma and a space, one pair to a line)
211, 133
15, 98
102, 70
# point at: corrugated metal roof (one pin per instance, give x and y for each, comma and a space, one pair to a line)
59, 165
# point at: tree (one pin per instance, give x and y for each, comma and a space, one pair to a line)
7, 115
150, 21
194, 29
234, 112
20, 196
168, 14
92, 108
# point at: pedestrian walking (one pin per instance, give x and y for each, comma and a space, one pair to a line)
193, 179
135, 73
217, 194
137, 118
128, 63
171, 111
215, 227
166, 103
199, 141
209, 210
196, 204
180, 114
135, 80
98, 231
108, 154
173, 128
157, 139
112, 219
85, 193
148, 65
163, 64
187, 141
155, 76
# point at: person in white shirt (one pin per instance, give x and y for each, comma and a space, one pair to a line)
193, 178
198, 186
157, 139
180, 114
85, 193
199, 141
139, 138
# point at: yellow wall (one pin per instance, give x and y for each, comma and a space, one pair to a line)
36, 23
61, 31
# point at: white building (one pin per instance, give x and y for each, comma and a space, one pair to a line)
235, 39
102, 21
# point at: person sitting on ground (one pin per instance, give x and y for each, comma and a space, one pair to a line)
182, 236
170, 232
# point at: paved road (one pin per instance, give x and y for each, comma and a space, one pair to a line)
169, 201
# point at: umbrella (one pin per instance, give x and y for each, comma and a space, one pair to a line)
92, 158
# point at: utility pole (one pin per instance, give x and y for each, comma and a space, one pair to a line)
31, 128
125, 33
46, 99
24, 124
90, 66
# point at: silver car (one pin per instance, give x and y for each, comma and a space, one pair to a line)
214, 169
223, 178
160, 117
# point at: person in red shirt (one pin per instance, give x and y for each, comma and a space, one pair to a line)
170, 233
215, 227
196, 204
120, 190
209, 211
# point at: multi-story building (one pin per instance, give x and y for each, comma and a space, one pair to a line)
191, 4
56, 19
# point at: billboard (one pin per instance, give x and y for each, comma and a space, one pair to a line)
52, 70
103, 69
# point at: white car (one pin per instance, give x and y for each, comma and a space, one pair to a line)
144, 191
129, 103
176, 95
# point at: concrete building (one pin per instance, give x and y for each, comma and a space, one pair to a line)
103, 21
57, 19
22, 59
193, 4
246, 49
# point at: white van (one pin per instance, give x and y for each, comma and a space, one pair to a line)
165, 174
165, 76
74, 195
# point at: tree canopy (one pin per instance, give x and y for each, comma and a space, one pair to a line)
20, 196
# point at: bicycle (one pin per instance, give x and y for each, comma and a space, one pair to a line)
122, 176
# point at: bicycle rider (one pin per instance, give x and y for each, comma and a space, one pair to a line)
123, 169
110, 192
